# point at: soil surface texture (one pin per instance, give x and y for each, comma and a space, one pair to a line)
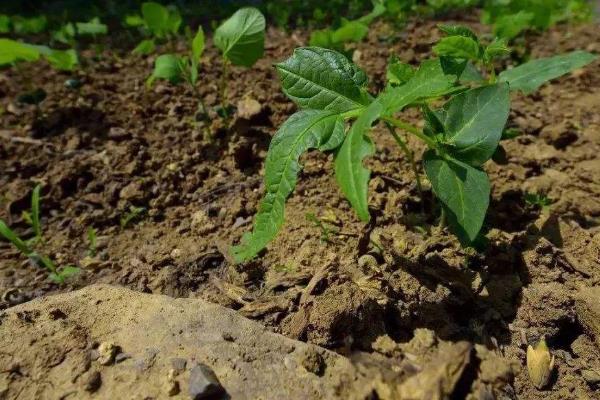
393, 310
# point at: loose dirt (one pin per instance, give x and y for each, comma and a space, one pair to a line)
364, 290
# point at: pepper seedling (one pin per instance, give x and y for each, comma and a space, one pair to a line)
177, 69
12, 51
159, 22
241, 39
27, 247
461, 136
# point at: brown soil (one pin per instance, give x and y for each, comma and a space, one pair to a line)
114, 145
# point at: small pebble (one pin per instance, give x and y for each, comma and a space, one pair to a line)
204, 383
106, 353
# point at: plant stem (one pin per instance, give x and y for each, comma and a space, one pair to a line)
411, 158
443, 221
411, 129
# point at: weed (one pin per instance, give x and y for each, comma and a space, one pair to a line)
461, 136
326, 229
133, 214
538, 200
91, 236
27, 247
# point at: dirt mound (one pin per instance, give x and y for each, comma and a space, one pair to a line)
105, 341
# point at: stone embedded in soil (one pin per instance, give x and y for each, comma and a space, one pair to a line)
203, 383
92, 381
587, 305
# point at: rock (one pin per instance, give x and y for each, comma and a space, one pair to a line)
252, 366
178, 365
587, 305
591, 377
438, 378
106, 353
204, 383
117, 133
92, 381
248, 108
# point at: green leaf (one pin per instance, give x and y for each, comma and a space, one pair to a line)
156, 16
474, 121
304, 130
198, 45
134, 20
321, 38
398, 73
352, 31
323, 79
464, 192
12, 237
4, 24
351, 175
241, 38
471, 74
379, 8
27, 26
168, 67
497, 48
429, 81
11, 51
35, 212
160, 20
510, 26
91, 28
530, 76
458, 47
458, 30
63, 60
145, 47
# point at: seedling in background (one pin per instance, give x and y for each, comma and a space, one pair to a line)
461, 136
71, 32
350, 31
538, 200
133, 214
27, 247
177, 69
325, 229
241, 39
12, 51
160, 22
91, 235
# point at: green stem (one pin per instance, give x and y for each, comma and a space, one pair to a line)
492, 79
411, 129
409, 154
442, 219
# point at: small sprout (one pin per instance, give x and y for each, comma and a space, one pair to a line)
540, 364
159, 22
326, 230
92, 240
539, 200
510, 133
133, 214
56, 274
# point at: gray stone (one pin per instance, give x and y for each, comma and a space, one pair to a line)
204, 383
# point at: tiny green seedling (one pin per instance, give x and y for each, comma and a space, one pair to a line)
92, 240
461, 136
71, 32
326, 229
27, 247
12, 51
349, 32
538, 200
241, 39
133, 214
159, 22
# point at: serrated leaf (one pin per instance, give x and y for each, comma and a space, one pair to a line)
474, 121
304, 130
497, 48
464, 192
429, 81
530, 76
458, 47
168, 67
350, 173
241, 38
458, 30
323, 79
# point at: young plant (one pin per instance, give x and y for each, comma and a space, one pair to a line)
12, 51
133, 214
91, 235
159, 22
349, 32
461, 136
177, 69
27, 247
241, 39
